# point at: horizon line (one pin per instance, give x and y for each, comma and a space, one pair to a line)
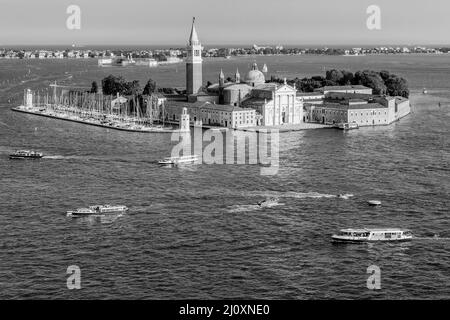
316, 45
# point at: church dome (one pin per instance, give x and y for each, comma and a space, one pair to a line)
254, 76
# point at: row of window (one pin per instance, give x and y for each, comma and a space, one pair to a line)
342, 113
372, 113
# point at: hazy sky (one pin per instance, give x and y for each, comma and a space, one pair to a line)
167, 22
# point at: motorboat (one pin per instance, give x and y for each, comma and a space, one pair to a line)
374, 203
372, 235
344, 196
97, 210
268, 202
173, 161
348, 126
26, 154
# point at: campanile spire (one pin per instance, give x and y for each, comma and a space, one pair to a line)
194, 62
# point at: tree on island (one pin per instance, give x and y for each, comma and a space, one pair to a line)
150, 87
335, 76
397, 86
132, 88
94, 88
381, 82
370, 79
339, 77
112, 85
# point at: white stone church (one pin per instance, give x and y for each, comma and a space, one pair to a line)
240, 103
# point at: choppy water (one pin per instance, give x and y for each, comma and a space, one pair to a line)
196, 232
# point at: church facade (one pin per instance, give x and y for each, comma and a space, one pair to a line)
275, 104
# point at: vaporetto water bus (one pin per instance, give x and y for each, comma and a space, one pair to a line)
26, 154
372, 235
97, 210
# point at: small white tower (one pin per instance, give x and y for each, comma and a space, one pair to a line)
237, 76
185, 121
29, 99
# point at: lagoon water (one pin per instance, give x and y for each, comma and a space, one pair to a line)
195, 232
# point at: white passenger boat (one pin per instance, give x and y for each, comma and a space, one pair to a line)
348, 126
26, 154
97, 210
372, 235
173, 161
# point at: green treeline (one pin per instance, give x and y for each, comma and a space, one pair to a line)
381, 82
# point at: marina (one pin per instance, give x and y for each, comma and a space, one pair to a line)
118, 113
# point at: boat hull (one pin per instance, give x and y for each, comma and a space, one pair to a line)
340, 240
13, 157
102, 212
90, 214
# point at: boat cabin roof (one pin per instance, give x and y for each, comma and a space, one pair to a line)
375, 230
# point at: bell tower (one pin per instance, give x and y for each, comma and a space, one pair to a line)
194, 61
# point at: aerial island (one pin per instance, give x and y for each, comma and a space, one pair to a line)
339, 98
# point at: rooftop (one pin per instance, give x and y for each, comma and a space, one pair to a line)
253, 102
185, 104
307, 94
238, 86
350, 87
374, 229
353, 107
224, 107
206, 105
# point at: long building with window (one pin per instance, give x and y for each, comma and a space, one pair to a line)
210, 114
373, 111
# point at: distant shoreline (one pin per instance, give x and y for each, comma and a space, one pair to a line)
239, 56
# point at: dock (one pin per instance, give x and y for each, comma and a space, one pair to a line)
92, 123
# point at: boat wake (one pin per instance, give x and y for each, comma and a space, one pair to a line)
297, 195
243, 208
434, 238
6, 125
250, 207
67, 158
